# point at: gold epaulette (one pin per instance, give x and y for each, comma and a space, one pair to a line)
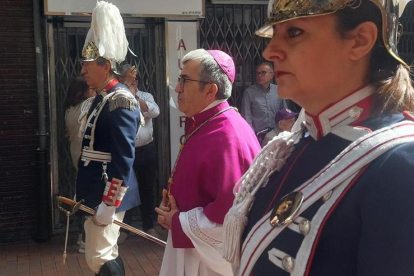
122, 98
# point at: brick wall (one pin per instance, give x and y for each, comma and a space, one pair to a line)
18, 121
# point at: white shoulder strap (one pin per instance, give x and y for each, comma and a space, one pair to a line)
338, 173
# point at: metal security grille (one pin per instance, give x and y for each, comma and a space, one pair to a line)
231, 28
66, 41
406, 44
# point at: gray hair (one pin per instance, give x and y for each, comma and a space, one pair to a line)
124, 68
210, 72
268, 64
101, 61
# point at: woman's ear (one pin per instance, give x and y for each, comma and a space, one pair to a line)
364, 37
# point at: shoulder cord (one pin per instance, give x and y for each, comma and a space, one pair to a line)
272, 158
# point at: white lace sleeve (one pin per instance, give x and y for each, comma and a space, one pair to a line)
206, 237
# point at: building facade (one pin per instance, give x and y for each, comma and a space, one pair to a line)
34, 159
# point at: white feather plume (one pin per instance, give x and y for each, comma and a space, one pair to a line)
401, 6
108, 32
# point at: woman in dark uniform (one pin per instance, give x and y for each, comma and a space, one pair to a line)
335, 198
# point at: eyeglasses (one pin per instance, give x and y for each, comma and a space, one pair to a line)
262, 73
182, 80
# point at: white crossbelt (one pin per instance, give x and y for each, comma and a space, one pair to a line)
94, 155
339, 172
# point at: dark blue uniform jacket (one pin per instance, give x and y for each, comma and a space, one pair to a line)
115, 133
371, 231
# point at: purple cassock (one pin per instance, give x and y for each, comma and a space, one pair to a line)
211, 162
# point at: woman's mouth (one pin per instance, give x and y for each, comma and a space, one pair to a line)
279, 74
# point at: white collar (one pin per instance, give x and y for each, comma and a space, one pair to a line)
342, 117
213, 104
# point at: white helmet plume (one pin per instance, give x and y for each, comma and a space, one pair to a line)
107, 33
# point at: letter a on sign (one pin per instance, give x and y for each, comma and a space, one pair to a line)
181, 44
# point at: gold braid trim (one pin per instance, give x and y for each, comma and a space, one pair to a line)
122, 98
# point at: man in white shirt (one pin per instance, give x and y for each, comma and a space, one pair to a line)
145, 154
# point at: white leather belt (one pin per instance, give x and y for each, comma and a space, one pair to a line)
94, 155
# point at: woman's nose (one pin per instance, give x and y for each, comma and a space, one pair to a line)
274, 50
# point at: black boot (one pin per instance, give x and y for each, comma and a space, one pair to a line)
120, 263
112, 268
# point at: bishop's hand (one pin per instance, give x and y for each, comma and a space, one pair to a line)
166, 210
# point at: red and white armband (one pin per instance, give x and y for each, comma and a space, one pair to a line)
114, 192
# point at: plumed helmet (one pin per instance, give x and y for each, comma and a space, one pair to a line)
284, 10
106, 38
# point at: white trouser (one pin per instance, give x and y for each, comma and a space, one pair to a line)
100, 242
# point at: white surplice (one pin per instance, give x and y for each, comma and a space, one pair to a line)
203, 260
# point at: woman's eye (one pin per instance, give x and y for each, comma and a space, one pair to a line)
293, 32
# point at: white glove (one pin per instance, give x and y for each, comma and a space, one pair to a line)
104, 215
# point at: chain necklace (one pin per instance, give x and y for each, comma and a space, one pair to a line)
170, 180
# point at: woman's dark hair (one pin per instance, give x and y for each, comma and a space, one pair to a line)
76, 92
394, 87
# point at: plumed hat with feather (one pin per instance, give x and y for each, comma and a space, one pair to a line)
106, 38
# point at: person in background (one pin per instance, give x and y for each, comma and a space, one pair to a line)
78, 92
218, 148
260, 101
145, 162
284, 121
335, 197
106, 180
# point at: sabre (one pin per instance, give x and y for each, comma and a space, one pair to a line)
91, 211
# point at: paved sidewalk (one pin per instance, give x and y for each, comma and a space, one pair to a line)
141, 257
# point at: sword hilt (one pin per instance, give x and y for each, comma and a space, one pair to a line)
75, 205
74, 208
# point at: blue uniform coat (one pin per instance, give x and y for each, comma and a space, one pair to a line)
369, 232
115, 133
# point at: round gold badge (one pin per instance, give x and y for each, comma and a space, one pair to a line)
286, 209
